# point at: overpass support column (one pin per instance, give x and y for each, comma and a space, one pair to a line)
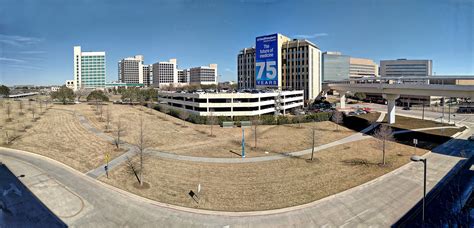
342, 99
391, 106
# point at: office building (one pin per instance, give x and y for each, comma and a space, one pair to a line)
359, 68
234, 104
165, 73
405, 68
183, 77
335, 66
89, 69
147, 74
246, 68
282, 63
130, 70
409, 68
203, 75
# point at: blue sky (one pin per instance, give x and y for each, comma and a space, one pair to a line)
37, 37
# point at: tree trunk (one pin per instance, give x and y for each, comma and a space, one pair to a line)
383, 153
141, 168
255, 136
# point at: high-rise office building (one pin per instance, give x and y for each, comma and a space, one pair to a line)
204, 75
147, 74
246, 68
405, 68
89, 69
335, 66
295, 64
130, 70
165, 73
359, 68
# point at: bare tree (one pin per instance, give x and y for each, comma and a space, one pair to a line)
384, 134
211, 120
337, 119
9, 136
118, 133
81, 93
184, 115
29, 104
8, 110
255, 122
33, 111
100, 111
41, 106
108, 119
150, 106
313, 130
164, 109
20, 106
141, 146
299, 118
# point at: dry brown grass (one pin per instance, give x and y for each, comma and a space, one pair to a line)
166, 133
263, 185
18, 124
59, 135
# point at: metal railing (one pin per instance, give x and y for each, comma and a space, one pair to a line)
431, 80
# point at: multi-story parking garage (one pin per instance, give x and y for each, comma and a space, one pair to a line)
234, 104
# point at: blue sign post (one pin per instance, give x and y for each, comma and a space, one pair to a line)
266, 60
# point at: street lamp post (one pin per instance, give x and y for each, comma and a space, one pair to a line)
417, 158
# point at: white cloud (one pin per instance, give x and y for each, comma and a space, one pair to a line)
310, 36
25, 67
18, 40
32, 52
2, 59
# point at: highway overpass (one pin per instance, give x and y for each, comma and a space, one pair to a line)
392, 87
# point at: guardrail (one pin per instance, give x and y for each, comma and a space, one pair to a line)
431, 80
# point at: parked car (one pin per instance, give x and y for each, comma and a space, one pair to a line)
406, 108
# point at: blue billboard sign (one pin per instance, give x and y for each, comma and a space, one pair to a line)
266, 60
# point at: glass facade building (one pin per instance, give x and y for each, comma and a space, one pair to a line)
93, 71
89, 69
335, 66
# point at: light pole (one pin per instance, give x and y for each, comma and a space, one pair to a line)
417, 158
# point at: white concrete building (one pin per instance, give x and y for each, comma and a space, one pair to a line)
204, 75
234, 104
89, 69
165, 73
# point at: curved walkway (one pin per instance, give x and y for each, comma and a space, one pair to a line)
131, 150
